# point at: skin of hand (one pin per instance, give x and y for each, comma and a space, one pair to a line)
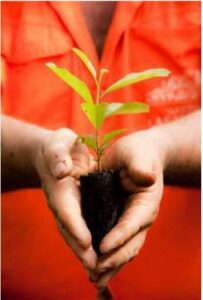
145, 161
141, 174
142, 158
60, 162
32, 157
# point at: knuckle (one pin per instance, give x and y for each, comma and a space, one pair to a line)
61, 131
64, 132
57, 140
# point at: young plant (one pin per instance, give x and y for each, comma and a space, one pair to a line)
98, 110
102, 196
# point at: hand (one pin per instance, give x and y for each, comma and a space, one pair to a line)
140, 162
59, 163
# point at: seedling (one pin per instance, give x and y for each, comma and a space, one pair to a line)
102, 197
97, 110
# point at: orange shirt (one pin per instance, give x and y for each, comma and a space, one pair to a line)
36, 263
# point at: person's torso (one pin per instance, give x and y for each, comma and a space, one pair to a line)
141, 36
36, 263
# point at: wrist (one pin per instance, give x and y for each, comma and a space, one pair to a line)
160, 140
18, 153
37, 146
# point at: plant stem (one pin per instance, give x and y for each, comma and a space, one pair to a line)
98, 93
97, 149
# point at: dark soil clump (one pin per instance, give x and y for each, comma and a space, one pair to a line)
102, 203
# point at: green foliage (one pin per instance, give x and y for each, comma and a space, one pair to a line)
97, 111
75, 83
102, 149
126, 108
135, 78
90, 141
86, 62
111, 135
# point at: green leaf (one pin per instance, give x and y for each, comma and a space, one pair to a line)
89, 110
100, 110
83, 57
102, 149
71, 80
126, 108
136, 77
109, 136
95, 113
89, 140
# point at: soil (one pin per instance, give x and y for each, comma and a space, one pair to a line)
102, 203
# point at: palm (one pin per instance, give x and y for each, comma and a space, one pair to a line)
142, 177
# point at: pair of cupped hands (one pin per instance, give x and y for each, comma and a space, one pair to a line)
60, 161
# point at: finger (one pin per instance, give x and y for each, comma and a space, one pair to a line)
105, 278
87, 256
93, 277
82, 160
126, 181
124, 254
58, 160
138, 165
56, 151
93, 165
128, 185
140, 212
64, 156
64, 201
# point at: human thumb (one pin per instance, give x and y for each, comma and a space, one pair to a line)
58, 159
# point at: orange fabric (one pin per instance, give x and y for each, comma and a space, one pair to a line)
36, 263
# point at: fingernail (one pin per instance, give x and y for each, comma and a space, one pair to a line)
90, 258
60, 170
112, 242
